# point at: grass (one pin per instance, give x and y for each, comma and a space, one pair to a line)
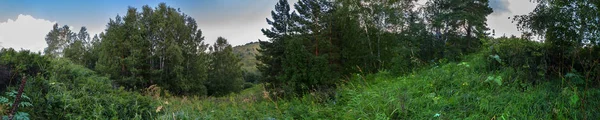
450, 91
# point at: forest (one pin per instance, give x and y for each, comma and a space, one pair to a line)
323, 59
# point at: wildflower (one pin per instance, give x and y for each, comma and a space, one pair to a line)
159, 108
265, 94
436, 115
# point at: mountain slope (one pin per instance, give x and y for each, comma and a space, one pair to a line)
248, 53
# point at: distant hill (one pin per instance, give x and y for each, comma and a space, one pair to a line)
248, 53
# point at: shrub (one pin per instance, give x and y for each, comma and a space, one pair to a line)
59, 89
524, 56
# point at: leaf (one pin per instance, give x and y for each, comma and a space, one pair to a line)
571, 75
498, 80
489, 78
25, 104
22, 116
574, 99
497, 58
12, 94
3, 100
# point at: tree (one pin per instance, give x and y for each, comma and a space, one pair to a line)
459, 23
314, 43
272, 51
92, 53
324, 40
569, 30
78, 48
225, 74
58, 39
159, 46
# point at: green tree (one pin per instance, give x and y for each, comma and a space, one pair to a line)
58, 39
77, 49
458, 23
155, 46
225, 74
315, 34
569, 30
272, 51
92, 53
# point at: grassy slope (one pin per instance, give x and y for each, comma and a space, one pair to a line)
247, 53
447, 91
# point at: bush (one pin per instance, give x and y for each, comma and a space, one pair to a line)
251, 77
59, 89
523, 56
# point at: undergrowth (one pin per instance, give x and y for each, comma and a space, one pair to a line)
455, 90
468, 89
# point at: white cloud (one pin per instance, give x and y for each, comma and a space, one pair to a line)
504, 26
26, 32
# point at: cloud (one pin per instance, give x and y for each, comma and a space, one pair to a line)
500, 6
26, 32
500, 22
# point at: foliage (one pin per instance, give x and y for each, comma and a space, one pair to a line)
58, 39
161, 46
272, 51
60, 89
455, 90
311, 48
458, 24
321, 57
225, 74
7, 105
526, 57
568, 30
247, 53
15, 64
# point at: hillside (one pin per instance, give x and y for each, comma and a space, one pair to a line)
247, 53
454, 90
324, 59
468, 89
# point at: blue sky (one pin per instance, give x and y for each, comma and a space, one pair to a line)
24, 23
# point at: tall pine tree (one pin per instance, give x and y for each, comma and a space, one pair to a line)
272, 51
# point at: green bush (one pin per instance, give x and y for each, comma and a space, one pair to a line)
59, 89
72, 91
525, 57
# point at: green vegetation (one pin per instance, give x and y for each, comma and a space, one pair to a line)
328, 59
247, 53
225, 75
454, 90
58, 88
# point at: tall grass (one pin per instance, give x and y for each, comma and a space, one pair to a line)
457, 90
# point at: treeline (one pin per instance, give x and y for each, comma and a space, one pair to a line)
321, 42
160, 46
314, 46
569, 32
309, 49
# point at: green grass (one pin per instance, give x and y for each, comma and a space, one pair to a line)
456, 90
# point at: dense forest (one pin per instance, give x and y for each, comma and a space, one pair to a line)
323, 59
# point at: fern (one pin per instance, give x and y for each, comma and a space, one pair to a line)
25, 102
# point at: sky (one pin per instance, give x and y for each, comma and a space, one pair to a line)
25, 23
